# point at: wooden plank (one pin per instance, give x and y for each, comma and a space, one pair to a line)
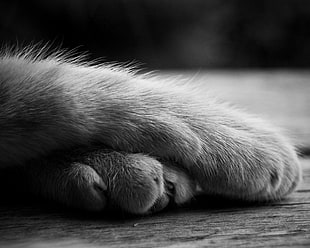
266, 226
283, 224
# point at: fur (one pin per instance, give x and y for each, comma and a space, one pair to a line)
54, 103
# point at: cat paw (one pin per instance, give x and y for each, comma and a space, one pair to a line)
101, 179
140, 184
270, 173
283, 175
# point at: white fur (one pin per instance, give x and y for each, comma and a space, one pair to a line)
52, 103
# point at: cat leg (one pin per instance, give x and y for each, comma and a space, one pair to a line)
58, 105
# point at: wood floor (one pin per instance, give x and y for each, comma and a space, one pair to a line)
282, 97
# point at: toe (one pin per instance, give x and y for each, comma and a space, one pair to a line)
88, 191
96, 199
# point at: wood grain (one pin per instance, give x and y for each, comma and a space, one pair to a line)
282, 97
283, 224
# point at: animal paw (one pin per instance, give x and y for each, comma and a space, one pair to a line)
138, 183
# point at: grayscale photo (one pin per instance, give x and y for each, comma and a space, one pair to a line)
151, 123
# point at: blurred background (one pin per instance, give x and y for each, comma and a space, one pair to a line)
262, 47
174, 34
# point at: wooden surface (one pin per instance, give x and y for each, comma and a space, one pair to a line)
282, 97
282, 224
